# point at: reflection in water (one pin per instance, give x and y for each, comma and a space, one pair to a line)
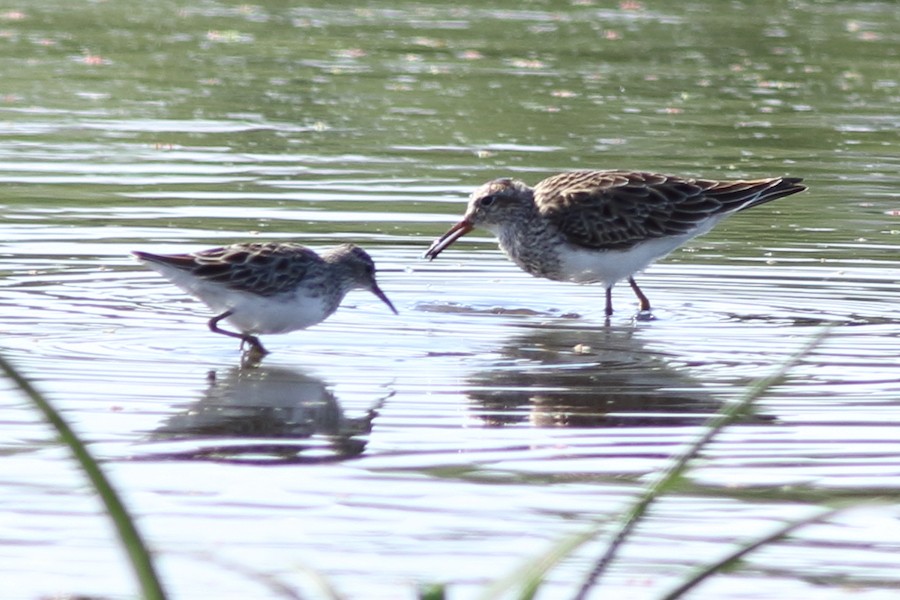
578, 377
265, 415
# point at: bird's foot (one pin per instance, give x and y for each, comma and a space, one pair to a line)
251, 359
256, 348
643, 316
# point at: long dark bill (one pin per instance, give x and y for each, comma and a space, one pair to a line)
444, 242
381, 296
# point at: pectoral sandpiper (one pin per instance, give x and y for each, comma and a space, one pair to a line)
605, 226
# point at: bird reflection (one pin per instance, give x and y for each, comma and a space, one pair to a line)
265, 415
580, 377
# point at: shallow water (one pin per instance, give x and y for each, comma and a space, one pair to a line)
497, 413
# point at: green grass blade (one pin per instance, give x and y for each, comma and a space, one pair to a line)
529, 576
141, 561
432, 591
709, 570
669, 478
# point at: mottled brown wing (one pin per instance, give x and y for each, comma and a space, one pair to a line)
614, 210
265, 269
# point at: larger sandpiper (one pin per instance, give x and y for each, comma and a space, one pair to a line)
269, 287
605, 226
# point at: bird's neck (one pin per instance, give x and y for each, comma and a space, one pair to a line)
529, 241
523, 225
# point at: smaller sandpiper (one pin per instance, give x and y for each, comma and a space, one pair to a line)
269, 287
605, 226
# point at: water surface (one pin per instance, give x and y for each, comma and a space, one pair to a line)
497, 413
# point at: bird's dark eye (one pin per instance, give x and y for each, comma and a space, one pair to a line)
487, 201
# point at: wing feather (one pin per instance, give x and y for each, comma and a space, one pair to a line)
614, 210
265, 269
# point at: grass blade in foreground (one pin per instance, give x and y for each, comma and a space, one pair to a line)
529, 576
670, 477
710, 570
141, 561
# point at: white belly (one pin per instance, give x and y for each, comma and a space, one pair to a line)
580, 265
279, 314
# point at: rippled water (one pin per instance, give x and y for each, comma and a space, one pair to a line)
497, 413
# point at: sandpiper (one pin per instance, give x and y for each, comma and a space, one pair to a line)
605, 226
268, 287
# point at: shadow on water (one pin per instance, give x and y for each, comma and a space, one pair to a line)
580, 377
265, 415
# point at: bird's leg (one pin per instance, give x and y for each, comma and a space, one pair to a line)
642, 299
214, 325
609, 310
255, 344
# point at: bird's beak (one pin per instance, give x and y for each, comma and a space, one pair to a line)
444, 242
381, 296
